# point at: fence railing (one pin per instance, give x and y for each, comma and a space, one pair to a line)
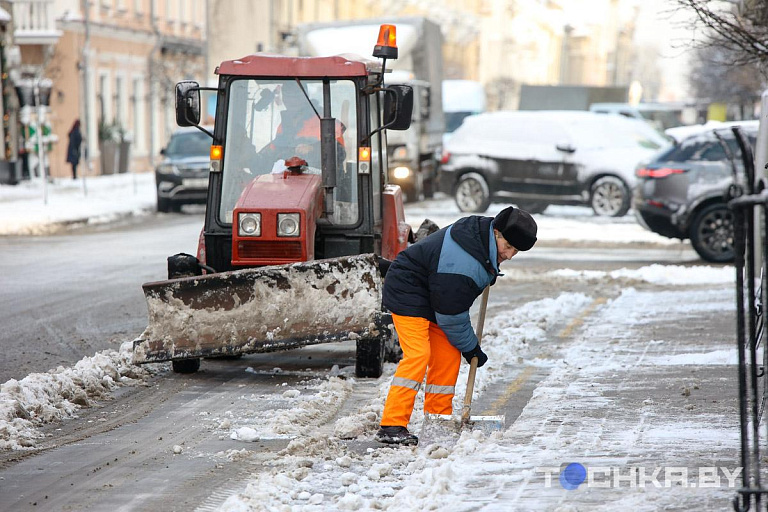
749, 203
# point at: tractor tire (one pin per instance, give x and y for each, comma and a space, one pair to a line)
186, 365
393, 353
369, 360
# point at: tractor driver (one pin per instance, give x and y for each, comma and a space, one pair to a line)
299, 131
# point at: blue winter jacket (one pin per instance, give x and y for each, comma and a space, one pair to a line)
440, 277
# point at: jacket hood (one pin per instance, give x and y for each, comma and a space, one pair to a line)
473, 235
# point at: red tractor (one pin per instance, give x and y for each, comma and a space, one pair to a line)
299, 216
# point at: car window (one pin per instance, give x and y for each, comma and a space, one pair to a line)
713, 152
614, 132
187, 144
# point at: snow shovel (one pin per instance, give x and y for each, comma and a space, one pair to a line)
433, 423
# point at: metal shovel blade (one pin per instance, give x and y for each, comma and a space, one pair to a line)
261, 309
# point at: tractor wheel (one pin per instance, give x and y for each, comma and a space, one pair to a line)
369, 361
393, 353
186, 365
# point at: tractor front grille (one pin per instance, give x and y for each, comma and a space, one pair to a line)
255, 249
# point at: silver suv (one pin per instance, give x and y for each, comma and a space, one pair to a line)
681, 192
182, 176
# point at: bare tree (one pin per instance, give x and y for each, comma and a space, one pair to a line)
714, 75
738, 26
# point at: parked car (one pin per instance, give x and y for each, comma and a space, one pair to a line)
681, 191
537, 158
182, 176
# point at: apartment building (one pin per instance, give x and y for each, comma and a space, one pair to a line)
114, 67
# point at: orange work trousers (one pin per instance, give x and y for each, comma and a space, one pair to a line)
426, 350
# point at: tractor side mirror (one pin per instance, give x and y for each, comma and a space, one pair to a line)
187, 103
398, 107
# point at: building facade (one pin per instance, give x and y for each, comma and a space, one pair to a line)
114, 68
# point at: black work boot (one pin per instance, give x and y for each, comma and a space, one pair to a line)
396, 435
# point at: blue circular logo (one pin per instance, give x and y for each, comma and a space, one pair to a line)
573, 476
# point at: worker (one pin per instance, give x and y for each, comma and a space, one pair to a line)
429, 289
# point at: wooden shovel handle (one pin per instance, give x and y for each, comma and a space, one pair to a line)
473, 364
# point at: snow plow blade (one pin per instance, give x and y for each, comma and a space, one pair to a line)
262, 309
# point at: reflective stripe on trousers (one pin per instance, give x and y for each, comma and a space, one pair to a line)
426, 350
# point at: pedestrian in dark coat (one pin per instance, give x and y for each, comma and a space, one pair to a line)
73, 149
429, 289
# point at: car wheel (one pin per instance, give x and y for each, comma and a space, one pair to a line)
429, 188
163, 204
472, 193
711, 234
533, 206
610, 197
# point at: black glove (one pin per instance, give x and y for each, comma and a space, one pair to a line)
478, 353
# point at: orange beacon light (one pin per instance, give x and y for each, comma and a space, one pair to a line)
386, 46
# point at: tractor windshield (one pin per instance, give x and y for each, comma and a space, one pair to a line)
270, 121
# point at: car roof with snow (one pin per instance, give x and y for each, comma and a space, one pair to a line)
679, 133
521, 132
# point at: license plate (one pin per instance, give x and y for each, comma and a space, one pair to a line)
195, 182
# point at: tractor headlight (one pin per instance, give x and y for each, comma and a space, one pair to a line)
400, 173
288, 224
249, 224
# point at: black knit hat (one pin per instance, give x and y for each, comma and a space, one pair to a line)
517, 226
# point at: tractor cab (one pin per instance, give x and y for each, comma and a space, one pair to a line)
298, 211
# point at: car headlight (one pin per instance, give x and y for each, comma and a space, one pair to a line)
249, 224
167, 169
288, 224
400, 153
401, 173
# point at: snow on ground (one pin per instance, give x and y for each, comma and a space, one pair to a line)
505, 470
319, 473
25, 211
41, 398
58, 394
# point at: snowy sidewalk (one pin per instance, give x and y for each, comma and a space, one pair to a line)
638, 396
24, 211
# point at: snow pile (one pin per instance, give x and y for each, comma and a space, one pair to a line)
672, 275
42, 398
293, 413
575, 223
103, 199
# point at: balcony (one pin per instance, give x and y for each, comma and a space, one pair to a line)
34, 22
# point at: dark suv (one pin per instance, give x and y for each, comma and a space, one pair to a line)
182, 176
680, 193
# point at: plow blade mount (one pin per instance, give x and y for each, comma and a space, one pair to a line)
262, 309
